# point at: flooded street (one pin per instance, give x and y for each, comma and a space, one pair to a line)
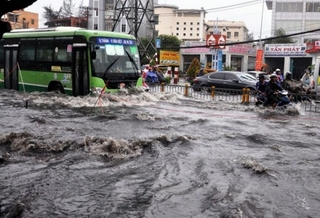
155, 155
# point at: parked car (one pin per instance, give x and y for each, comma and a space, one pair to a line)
224, 79
257, 73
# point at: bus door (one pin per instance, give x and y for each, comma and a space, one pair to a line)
80, 72
11, 68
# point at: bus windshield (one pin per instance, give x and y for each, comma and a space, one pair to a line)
115, 55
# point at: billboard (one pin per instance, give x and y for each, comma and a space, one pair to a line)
169, 58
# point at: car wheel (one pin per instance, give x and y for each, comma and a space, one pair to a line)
205, 88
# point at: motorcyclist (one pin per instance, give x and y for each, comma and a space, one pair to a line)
151, 76
272, 93
295, 87
261, 86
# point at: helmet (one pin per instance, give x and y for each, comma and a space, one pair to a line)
278, 69
273, 75
288, 74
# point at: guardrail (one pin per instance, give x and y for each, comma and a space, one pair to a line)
310, 102
233, 95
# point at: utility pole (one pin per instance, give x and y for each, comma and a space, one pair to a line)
139, 16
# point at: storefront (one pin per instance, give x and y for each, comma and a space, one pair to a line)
236, 57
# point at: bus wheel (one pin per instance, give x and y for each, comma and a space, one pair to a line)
56, 87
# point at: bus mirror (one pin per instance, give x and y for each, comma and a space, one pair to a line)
93, 55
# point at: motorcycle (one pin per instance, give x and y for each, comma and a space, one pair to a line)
283, 100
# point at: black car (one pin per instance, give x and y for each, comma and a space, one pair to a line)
225, 80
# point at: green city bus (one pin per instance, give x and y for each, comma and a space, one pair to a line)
70, 60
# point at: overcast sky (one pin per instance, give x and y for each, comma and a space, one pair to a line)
248, 11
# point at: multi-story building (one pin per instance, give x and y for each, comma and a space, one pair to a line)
122, 16
20, 19
68, 21
235, 31
190, 24
187, 25
191, 27
294, 16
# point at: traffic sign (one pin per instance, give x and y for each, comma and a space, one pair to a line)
216, 41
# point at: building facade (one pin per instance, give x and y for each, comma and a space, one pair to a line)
186, 25
20, 19
294, 16
191, 27
122, 16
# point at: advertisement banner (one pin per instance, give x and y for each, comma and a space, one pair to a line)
259, 58
285, 50
169, 58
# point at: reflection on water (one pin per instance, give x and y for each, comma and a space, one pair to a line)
137, 154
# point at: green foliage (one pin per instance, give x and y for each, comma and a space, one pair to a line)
147, 49
167, 80
283, 38
193, 68
170, 43
227, 68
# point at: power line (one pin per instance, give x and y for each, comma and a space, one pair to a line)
255, 40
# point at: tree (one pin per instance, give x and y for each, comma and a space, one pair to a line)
8, 6
283, 39
193, 68
170, 43
50, 13
67, 9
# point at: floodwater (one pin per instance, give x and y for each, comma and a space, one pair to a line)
158, 155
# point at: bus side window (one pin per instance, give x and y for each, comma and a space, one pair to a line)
44, 50
27, 54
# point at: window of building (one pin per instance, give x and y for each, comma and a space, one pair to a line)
95, 26
156, 19
198, 23
177, 28
228, 35
96, 6
198, 28
177, 23
191, 23
236, 34
191, 28
184, 28
312, 7
32, 21
197, 34
177, 34
184, 34
190, 34
184, 23
289, 7
123, 28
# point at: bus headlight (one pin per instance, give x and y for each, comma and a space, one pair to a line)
97, 90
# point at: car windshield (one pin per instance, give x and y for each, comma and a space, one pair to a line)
246, 76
